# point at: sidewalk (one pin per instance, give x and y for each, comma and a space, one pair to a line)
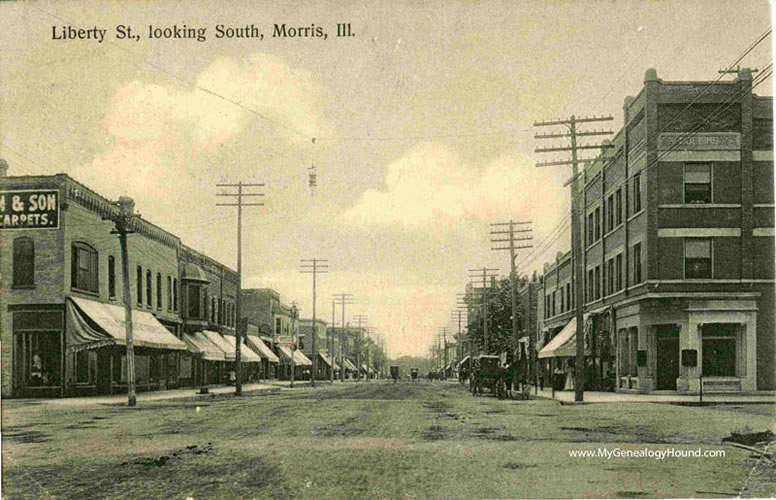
622, 397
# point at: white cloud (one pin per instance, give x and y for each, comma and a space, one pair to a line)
431, 187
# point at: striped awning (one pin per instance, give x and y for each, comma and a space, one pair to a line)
247, 355
299, 358
217, 339
260, 347
197, 343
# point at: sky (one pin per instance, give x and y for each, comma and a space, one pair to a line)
420, 127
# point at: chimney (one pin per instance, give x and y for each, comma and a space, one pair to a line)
127, 206
3, 168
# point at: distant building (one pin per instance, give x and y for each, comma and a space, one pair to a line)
679, 245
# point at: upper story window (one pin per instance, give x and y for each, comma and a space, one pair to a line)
158, 290
637, 263
278, 329
149, 285
111, 277
23, 261
597, 224
697, 183
637, 192
84, 273
175, 294
610, 213
212, 309
618, 209
194, 297
590, 229
139, 286
169, 293
697, 258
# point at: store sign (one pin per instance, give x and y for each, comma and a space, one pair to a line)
702, 141
29, 209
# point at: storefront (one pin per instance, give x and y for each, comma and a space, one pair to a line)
203, 363
302, 364
269, 361
95, 349
250, 360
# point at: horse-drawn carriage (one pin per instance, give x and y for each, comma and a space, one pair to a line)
414, 374
488, 373
395, 373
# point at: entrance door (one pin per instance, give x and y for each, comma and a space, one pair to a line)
667, 337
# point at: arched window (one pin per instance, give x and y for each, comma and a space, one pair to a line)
84, 273
23, 261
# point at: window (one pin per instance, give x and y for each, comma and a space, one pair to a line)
169, 293
194, 301
149, 285
23, 261
175, 294
619, 272
619, 206
610, 276
278, 329
697, 183
597, 224
637, 263
158, 290
85, 367
590, 229
697, 258
568, 295
597, 282
637, 192
719, 349
212, 309
610, 207
590, 284
633, 334
139, 286
84, 268
111, 277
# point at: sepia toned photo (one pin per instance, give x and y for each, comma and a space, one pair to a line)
416, 250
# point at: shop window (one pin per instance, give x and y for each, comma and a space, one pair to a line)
84, 268
139, 290
42, 354
111, 277
23, 262
85, 367
719, 349
619, 206
697, 258
637, 193
697, 183
637, 263
149, 285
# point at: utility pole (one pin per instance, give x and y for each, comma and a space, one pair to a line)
577, 208
443, 331
458, 314
497, 238
314, 267
330, 336
123, 221
240, 203
359, 318
486, 273
466, 307
344, 299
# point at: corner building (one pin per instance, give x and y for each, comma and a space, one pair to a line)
678, 232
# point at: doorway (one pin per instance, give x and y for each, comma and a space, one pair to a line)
667, 337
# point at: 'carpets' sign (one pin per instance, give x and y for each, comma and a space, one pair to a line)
29, 209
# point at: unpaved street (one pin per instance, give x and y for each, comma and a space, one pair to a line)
374, 440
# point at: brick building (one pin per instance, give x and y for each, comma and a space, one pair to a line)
679, 244
62, 327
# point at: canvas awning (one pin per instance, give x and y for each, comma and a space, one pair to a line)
260, 347
328, 361
299, 358
92, 324
464, 361
364, 368
564, 344
222, 344
350, 366
246, 353
197, 343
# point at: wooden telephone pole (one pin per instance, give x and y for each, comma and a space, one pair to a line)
488, 275
359, 318
314, 267
576, 225
239, 325
497, 237
344, 299
123, 221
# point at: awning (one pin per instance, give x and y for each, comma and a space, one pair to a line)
564, 344
91, 325
328, 361
197, 343
260, 347
464, 361
364, 368
350, 366
299, 358
246, 353
222, 344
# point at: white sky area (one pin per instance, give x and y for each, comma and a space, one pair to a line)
423, 127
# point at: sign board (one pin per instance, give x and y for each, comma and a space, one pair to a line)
29, 209
703, 141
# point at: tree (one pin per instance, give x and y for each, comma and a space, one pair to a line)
500, 336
